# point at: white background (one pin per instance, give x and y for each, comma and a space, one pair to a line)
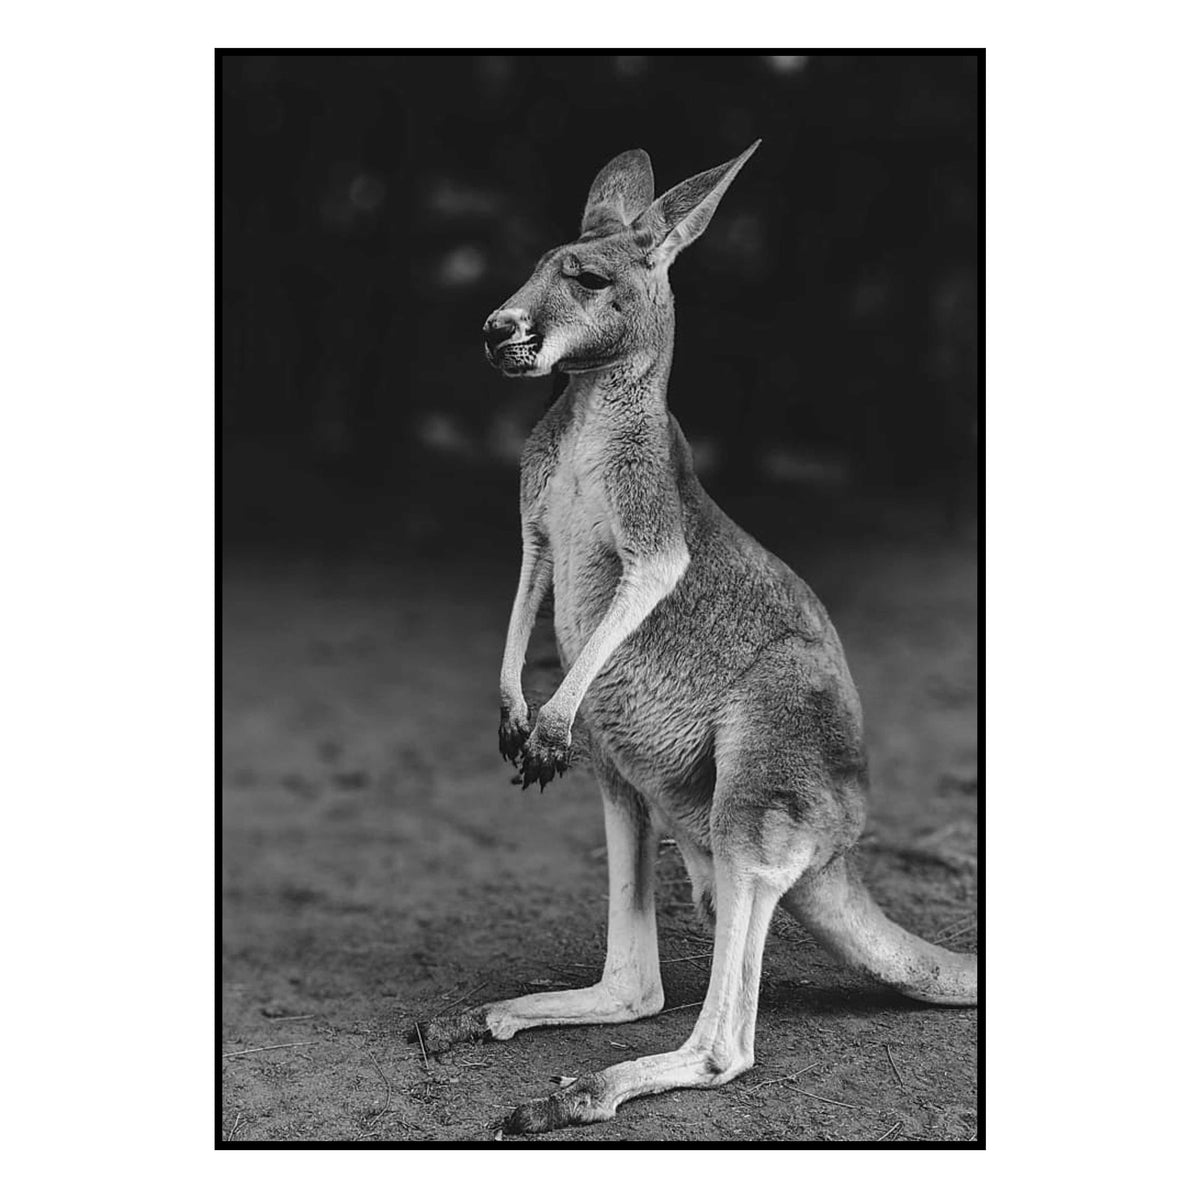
107, 495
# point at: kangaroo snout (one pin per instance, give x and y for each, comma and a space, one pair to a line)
509, 341
505, 324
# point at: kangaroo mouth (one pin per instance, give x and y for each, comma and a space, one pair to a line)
515, 357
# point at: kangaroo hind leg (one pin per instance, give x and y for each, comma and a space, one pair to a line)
749, 875
630, 986
720, 1047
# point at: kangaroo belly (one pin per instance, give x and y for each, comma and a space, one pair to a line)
647, 709
658, 729
586, 575
655, 706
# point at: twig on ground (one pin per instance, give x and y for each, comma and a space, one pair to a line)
420, 1039
569, 968
677, 1007
890, 1132
387, 1083
895, 1068
781, 1079
684, 936
304, 1017
826, 1100
260, 1049
955, 929
965, 919
460, 999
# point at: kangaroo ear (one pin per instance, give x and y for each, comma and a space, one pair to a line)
620, 192
678, 217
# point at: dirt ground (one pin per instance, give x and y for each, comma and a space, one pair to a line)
378, 866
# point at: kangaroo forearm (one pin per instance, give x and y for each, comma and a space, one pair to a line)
531, 589
643, 586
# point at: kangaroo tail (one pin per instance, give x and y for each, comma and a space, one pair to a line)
837, 909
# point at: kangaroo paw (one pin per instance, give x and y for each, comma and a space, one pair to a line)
543, 757
514, 733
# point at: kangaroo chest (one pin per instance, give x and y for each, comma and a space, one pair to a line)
578, 521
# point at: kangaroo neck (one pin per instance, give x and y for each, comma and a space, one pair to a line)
632, 389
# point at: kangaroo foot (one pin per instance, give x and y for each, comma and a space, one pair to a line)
582, 1103
440, 1033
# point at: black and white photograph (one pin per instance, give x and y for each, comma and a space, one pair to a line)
576, 600
600, 531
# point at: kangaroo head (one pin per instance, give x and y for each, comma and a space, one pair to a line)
604, 299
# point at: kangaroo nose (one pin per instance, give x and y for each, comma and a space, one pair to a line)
505, 324
495, 332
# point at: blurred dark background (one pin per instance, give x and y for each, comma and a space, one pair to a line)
375, 208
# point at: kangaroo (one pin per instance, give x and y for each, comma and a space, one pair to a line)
718, 701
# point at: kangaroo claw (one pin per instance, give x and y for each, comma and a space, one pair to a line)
514, 733
542, 759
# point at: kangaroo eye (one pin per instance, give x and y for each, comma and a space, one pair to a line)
591, 281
